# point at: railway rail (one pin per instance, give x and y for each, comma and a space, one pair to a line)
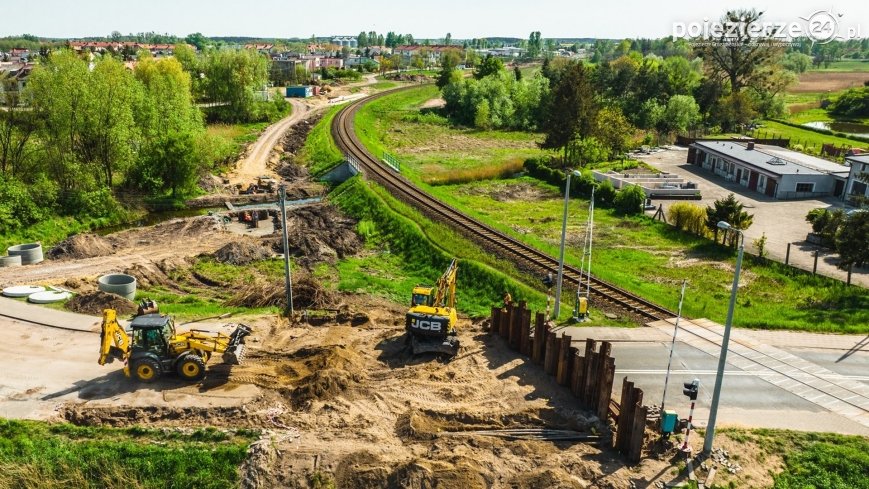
603, 293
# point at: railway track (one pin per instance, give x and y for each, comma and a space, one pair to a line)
525, 256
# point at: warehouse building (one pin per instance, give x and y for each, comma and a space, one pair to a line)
771, 170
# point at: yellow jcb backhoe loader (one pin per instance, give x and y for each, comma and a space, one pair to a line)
431, 319
153, 347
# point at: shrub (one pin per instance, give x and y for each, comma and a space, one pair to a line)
17, 206
688, 217
630, 200
605, 194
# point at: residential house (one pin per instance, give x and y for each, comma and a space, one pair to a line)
431, 54
770, 170
156, 50
354, 61
16, 73
20, 55
856, 187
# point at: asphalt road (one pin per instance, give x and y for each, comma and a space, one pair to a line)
808, 389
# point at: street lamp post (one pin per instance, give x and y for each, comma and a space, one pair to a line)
561, 253
722, 358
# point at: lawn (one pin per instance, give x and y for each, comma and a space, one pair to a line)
810, 141
431, 149
44, 455
644, 256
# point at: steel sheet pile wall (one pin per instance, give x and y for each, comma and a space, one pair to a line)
588, 374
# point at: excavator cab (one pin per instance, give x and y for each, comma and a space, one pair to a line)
422, 296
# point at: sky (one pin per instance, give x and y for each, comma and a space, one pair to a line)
464, 19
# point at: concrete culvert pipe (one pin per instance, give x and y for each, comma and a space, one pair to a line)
29, 252
10, 261
119, 284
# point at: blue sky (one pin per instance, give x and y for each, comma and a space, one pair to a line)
431, 19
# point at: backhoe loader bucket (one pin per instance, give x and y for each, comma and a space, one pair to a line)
234, 353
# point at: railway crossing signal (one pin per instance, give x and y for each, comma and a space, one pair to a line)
691, 389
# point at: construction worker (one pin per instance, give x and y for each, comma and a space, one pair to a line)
507, 298
548, 280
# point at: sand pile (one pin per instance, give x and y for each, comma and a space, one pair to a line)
80, 246
93, 303
241, 253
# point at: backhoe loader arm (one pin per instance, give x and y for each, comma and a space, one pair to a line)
114, 341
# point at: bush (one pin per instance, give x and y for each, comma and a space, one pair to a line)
688, 217
17, 206
630, 200
605, 194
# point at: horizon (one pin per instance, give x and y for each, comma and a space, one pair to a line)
503, 19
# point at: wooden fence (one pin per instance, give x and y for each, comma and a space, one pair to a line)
588, 373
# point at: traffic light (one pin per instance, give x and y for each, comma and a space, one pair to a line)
691, 389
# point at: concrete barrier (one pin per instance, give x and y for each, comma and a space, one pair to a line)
119, 284
10, 261
29, 252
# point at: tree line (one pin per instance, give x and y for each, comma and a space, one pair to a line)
83, 127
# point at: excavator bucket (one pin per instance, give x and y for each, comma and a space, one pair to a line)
447, 346
234, 353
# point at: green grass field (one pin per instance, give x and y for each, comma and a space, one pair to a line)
644, 256
430, 149
42, 455
810, 141
846, 65
319, 152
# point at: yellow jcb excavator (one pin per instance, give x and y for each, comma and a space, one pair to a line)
154, 347
431, 319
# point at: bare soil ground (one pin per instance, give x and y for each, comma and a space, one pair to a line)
817, 81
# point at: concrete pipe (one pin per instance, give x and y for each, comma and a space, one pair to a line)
10, 261
118, 284
29, 252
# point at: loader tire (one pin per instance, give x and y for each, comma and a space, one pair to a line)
191, 368
146, 370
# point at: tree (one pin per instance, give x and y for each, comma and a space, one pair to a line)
362, 40
797, 62
534, 44
198, 40
682, 113
630, 200
517, 73
489, 66
853, 103
613, 130
16, 128
731, 211
448, 39
852, 238
737, 54
231, 77
571, 110
449, 61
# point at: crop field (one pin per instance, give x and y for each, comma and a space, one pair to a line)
830, 81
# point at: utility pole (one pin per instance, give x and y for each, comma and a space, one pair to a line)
563, 236
288, 276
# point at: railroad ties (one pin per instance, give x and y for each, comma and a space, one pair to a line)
526, 257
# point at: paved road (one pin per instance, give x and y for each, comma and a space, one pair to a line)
823, 388
783, 221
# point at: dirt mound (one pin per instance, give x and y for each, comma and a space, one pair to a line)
459, 473
427, 424
157, 274
82, 415
93, 303
307, 294
319, 233
241, 253
556, 478
80, 246
321, 372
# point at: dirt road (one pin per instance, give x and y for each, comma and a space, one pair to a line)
256, 159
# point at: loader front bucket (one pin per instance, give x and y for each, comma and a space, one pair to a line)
234, 353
